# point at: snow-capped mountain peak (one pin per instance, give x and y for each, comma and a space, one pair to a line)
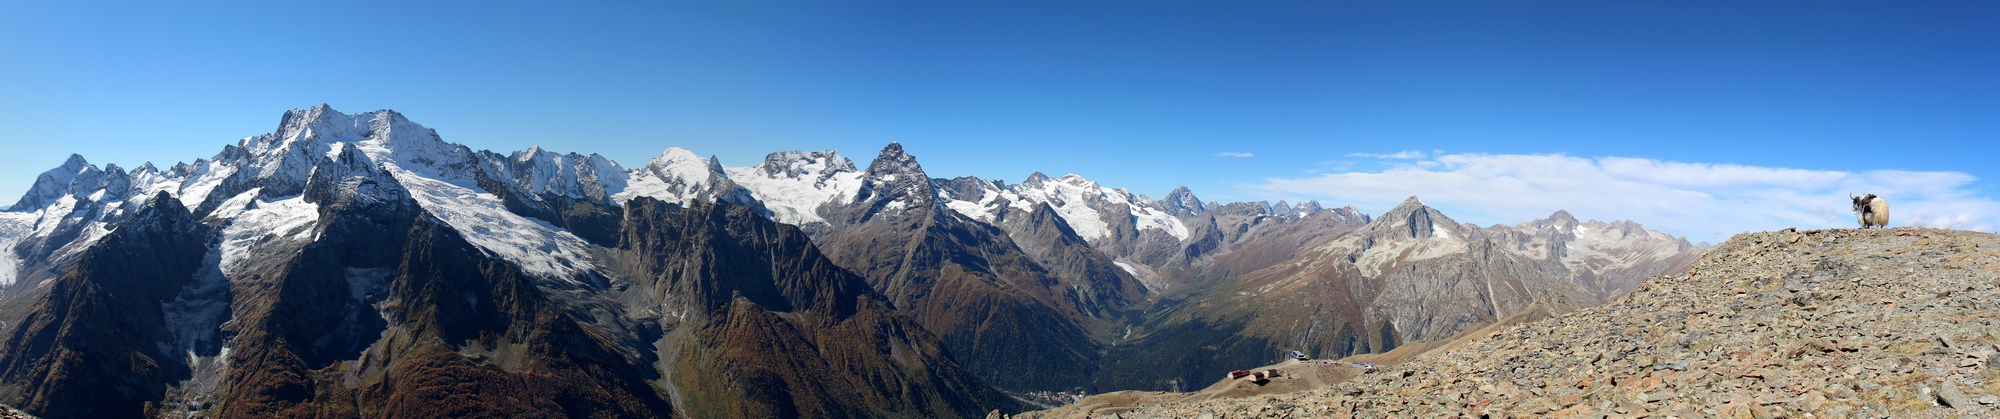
319, 120
75, 177
74, 163
676, 176
278, 163
324, 124
892, 163
1036, 179
894, 182
684, 163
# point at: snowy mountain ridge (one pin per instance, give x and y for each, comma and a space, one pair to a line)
72, 204
1085, 205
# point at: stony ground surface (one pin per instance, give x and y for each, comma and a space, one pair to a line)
1830, 323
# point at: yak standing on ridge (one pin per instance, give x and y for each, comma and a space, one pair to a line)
1871, 210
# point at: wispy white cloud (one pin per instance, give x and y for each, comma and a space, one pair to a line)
1400, 155
1234, 154
1707, 202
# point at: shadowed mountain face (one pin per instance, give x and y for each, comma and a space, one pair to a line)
357, 264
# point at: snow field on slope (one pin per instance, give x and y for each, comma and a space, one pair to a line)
1606, 242
1067, 196
990, 200
796, 201
14, 227
647, 185
197, 187
970, 209
539, 248
236, 205
152, 181
47, 220
1150, 217
266, 222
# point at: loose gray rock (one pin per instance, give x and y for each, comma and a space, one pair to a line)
1950, 396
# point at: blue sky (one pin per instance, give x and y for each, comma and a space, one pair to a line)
1661, 112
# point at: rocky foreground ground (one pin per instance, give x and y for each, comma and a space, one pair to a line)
1832, 323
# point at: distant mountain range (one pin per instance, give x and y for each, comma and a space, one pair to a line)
358, 264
